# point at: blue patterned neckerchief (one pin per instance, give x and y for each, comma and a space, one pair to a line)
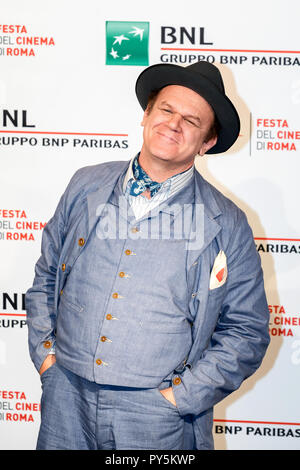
142, 181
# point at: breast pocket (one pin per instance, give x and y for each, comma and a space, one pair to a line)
218, 291
215, 299
212, 309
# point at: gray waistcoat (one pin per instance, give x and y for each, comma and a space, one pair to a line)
130, 317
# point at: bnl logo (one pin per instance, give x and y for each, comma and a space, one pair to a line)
127, 43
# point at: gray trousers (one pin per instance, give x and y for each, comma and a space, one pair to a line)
78, 414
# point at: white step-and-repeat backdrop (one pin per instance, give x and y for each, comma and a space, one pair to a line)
67, 100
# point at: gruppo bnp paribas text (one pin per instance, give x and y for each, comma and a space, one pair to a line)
18, 131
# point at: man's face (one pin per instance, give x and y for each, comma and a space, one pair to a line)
176, 127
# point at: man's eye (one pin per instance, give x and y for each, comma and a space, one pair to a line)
190, 122
166, 110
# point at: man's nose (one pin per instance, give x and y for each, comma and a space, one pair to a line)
175, 122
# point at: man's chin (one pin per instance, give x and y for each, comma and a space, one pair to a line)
166, 157
169, 152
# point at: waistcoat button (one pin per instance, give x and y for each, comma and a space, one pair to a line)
115, 295
121, 274
47, 344
98, 362
103, 339
128, 252
108, 316
63, 267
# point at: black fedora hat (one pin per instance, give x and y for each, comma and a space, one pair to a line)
202, 77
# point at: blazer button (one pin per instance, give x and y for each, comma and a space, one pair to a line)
81, 241
177, 381
47, 344
63, 267
98, 362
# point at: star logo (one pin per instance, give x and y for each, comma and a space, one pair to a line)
137, 32
127, 43
113, 53
119, 39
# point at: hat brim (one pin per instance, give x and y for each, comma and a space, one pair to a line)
158, 76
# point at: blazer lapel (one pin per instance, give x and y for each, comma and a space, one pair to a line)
92, 207
97, 199
204, 223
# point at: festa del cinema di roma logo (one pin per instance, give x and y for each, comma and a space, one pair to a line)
127, 43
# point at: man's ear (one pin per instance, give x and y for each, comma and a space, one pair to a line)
207, 145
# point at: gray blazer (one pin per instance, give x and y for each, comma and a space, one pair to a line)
230, 322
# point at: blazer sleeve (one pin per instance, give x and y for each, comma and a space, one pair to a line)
40, 298
241, 336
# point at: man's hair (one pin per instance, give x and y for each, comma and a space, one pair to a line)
214, 129
151, 99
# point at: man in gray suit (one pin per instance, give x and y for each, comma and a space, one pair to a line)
148, 305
